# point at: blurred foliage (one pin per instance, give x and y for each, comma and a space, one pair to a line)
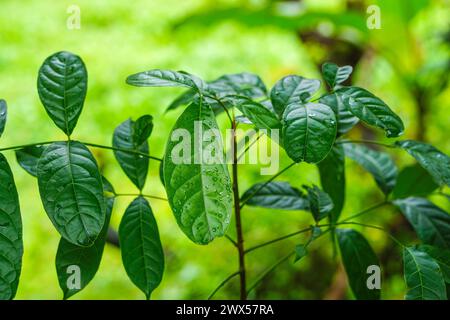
406, 63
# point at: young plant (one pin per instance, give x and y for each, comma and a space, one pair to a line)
203, 193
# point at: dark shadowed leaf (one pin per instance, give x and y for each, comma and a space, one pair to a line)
413, 181
276, 195
28, 158
259, 115
441, 256
422, 276
196, 179
372, 110
431, 159
357, 256
345, 119
3, 115
87, 259
292, 90
142, 129
320, 203
431, 223
300, 252
140, 245
72, 191
183, 99
62, 86
309, 131
165, 78
378, 164
333, 74
332, 178
134, 165
11, 243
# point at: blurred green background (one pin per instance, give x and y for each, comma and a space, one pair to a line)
406, 63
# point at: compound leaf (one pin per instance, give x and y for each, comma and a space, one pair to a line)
62, 86
72, 192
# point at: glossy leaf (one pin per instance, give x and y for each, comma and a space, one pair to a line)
165, 78
378, 164
332, 178
308, 131
357, 256
413, 181
431, 223
182, 100
140, 245
320, 202
134, 165
3, 115
198, 185
62, 86
245, 84
441, 256
372, 110
292, 90
11, 243
276, 195
423, 276
259, 115
28, 158
142, 129
87, 259
72, 192
431, 159
345, 119
333, 74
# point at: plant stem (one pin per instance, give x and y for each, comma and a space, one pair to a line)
277, 239
367, 142
231, 240
27, 145
376, 206
120, 149
237, 211
249, 146
266, 183
142, 195
231, 276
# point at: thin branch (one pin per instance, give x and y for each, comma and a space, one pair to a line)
121, 149
277, 239
266, 183
231, 276
367, 142
27, 145
137, 195
376, 206
231, 240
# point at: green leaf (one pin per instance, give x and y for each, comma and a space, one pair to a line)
165, 78
244, 84
413, 181
292, 90
161, 172
62, 86
357, 256
441, 256
140, 245
300, 252
71, 191
309, 131
431, 159
332, 178
334, 74
345, 119
259, 115
11, 243
320, 202
28, 158
134, 165
372, 110
431, 223
142, 129
87, 259
3, 115
423, 276
378, 164
182, 100
276, 195
198, 186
